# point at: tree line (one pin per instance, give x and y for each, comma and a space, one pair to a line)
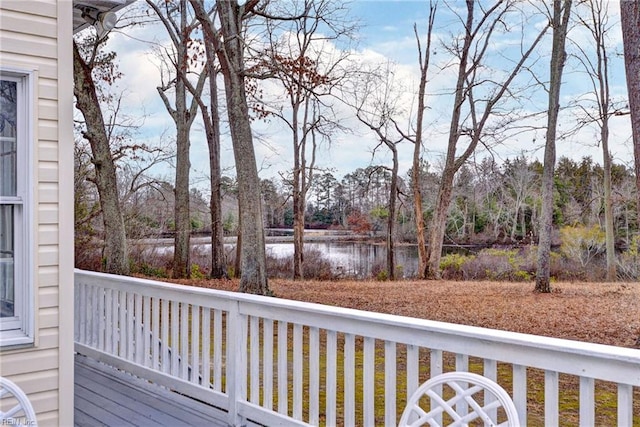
231, 49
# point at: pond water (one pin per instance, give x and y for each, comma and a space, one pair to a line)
355, 259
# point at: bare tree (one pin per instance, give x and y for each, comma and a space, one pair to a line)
481, 95
560, 23
630, 20
424, 59
376, 104
597, 69
174, 16
115, 257
211, 120
229, 44
300, 58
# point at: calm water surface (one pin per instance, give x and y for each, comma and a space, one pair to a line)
358, 259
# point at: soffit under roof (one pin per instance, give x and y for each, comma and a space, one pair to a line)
79, 22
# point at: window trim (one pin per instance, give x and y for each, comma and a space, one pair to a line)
20, 330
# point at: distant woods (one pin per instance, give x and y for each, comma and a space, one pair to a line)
492, 204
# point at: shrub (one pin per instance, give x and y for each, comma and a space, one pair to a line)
629, 261
151, 271
382, 276
498, 264
581, 243
451, 266
196, 273
316, 266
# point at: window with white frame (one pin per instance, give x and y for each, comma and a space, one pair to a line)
16, 284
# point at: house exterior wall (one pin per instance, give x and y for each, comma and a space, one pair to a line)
37, 36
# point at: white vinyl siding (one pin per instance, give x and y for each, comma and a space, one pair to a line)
35, 37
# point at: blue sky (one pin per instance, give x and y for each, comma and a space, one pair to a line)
386, 34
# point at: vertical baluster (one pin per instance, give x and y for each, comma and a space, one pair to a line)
97, 315
369, 380
146, 331
625, 405
164, 343
413, 369
174, 344
154, 336
332, 348
297, 371
390, 383
130, 327
122, 323
436, 368
102, 330
139, 325
91, 316
115, 325
551, 398
83, 314
314, 376
195, 344
491, 372
109, 325
254, 359
78, 305
267, 364
236, 362
217, 350
184, 341
587, 402
206, 346
283, 398
520, 392
349, 380
462, 364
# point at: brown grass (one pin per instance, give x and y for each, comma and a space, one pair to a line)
605, 313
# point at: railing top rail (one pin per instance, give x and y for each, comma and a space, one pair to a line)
575, 357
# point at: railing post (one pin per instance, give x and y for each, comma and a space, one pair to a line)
236, 371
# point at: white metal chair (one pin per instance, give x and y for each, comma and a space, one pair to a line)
467, 388
22, 412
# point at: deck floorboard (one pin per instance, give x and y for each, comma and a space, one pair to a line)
105, 396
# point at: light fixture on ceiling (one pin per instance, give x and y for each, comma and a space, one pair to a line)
103, 21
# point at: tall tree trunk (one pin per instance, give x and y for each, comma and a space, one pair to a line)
115, 255
438, 224
183, 116
253, 256
561, 11
218, 258
423, 256
391, 220
630, 20
299, 173
610, 238
212, 128
182, 244
599, 29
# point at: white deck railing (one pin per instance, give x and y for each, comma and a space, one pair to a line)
283, 362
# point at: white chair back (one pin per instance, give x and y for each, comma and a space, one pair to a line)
20, 411
474, 397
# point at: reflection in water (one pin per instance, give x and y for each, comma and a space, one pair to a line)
355, 259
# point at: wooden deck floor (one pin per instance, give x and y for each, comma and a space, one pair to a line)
105, 396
